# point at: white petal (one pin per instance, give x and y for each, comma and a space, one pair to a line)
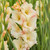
27, 9
17, 17
30, 38
15, 30
20, 44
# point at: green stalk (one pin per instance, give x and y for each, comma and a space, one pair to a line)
2, 45
29, 1
40, 26
11, 41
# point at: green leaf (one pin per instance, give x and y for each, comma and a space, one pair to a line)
19, 26
11, 41
2, 44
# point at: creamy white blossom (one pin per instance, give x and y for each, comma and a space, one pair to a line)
27, 18
31, 23
27, 10
17, 17
30, 38
15, 30
20, 44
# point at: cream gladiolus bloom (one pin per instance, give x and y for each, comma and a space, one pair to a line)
17, 17
27, 18
31, 23
20, 44
15, 30
5, 45
27, 9
30, 38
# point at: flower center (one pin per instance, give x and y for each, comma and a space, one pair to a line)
28, 38
18, 17
17, 29
27, 12
20, 46
28, 24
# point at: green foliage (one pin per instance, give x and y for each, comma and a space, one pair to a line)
19, 26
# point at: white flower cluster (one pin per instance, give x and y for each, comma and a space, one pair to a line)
26, 18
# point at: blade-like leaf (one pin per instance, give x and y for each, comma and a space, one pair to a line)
19, 26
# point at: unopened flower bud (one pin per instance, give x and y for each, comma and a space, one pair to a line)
16, 6
7, 4
23, 1
2, 15
7, 18
4, 32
